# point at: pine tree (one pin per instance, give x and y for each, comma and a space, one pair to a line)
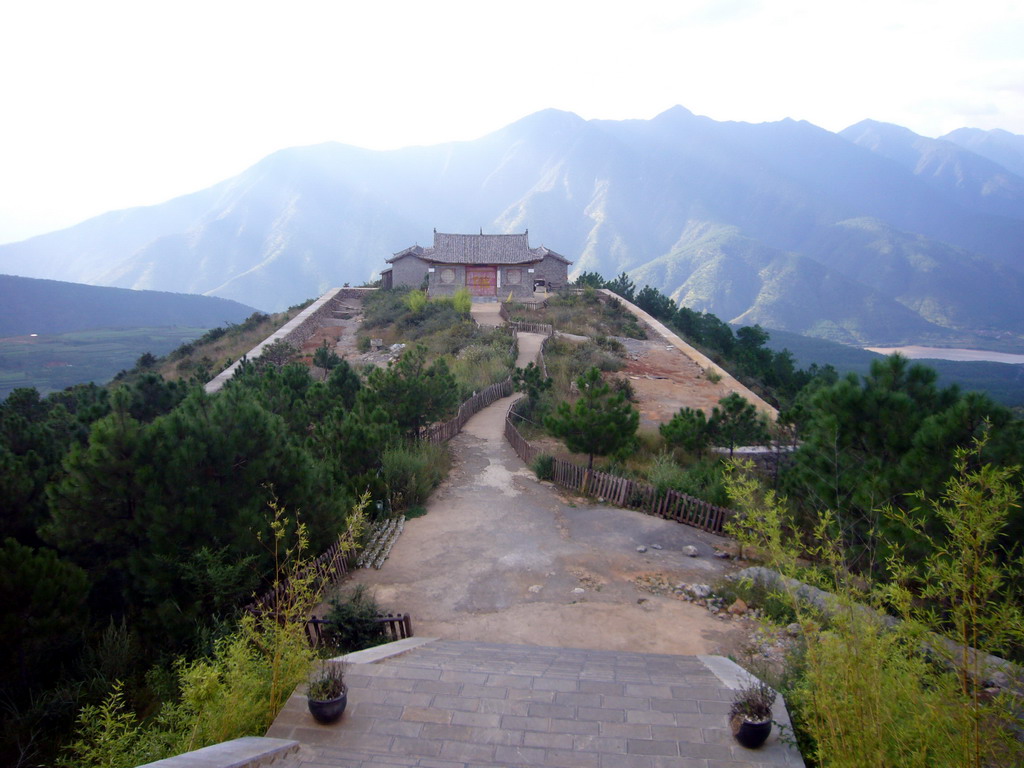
734, 421
601, 421
414, 393
688, 429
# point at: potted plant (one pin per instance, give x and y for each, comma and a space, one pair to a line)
327, 694
750, 715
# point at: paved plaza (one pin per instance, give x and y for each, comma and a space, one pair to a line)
449, 704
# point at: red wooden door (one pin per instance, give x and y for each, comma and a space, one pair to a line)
482, 281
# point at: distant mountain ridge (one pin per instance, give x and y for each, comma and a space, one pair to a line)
51, 307
873, 235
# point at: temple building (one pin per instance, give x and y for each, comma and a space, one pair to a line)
488, 265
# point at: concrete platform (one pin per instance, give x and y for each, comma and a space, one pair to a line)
451, 704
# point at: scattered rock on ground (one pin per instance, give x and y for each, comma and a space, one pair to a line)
738, 608
689, 550
641, 548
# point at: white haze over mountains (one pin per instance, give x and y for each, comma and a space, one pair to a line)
874, 236
117, 103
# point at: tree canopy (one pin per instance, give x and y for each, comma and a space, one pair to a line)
412, 392
599, 423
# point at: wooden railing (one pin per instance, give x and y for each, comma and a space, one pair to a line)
331, 565
442, 433
622, 491
543, 328
393, 626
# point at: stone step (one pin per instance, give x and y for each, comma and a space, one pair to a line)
499, 658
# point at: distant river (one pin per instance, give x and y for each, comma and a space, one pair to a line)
943, 353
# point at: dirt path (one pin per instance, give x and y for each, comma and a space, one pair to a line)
503, 557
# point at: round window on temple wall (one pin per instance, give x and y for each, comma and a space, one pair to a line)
514, 276
447, 275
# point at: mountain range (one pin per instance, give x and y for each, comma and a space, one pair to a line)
52, 307
871, 235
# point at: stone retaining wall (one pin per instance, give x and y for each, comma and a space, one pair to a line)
698, 357
246, 752
296, 331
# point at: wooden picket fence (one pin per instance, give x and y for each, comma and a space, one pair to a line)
621, 491
520, 327
442, 433
334, 563
543, 328
393, 627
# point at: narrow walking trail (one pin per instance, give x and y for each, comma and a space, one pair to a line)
502, 557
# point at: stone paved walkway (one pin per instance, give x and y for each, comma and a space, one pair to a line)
454, 705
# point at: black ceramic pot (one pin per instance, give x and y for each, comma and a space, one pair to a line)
751, 735
327, 712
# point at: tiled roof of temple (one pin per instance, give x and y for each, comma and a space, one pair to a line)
480, 249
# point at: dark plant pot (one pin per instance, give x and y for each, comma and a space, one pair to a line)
327, 712
751, 735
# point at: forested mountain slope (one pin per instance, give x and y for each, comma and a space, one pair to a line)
51, 306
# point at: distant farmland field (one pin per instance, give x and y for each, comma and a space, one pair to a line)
52, 362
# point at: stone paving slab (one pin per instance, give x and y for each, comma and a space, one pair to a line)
458, 704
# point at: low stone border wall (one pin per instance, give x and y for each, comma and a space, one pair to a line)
698, 357
296, 331
995, 670
246, 752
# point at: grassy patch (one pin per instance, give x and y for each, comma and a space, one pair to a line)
216, 349
584, 314
477, 357
414, 512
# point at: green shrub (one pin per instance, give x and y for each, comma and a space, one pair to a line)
665, 474
776, 607
353, 623
703, 479
416, 301
381, 308
410, 473
873, 694
868, 700
236, 692
610, 345
363, 343
623, 387
462, 301
649, 441
543, 467
706, 480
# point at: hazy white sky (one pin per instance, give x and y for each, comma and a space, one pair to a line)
107, 104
